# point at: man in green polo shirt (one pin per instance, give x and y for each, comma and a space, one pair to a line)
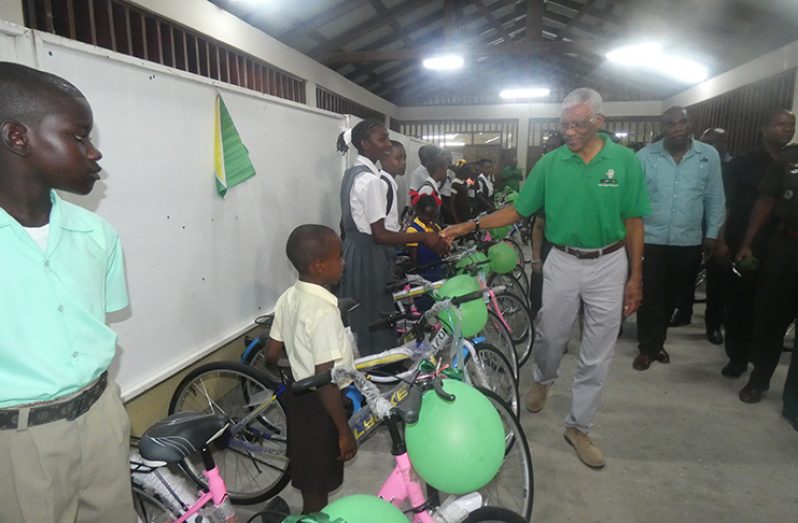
594, 195
64, 433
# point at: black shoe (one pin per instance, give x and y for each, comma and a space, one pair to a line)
680, 318
663, 357
733, 371
751, 394
714, 336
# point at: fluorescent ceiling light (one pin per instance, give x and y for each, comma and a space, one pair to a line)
451, 144
622, 134
524, 93
446, 62
431, 137
652, 57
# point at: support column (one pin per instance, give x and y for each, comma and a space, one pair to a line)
310, 93
523, 141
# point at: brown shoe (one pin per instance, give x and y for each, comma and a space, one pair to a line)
641, 362
587, 452
536, 397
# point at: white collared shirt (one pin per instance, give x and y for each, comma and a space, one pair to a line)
392, 220
368, 198
417, 177
308, 322
429, 186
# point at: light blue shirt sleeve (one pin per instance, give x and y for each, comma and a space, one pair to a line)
714, 199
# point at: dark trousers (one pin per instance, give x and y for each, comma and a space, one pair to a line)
719, 281
740, 317
790, 396
776, 300
668, 274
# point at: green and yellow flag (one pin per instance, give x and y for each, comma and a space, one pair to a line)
231, 157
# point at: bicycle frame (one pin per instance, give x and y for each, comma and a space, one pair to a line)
217, 493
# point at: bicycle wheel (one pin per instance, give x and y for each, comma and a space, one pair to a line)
512, 285
519, 319
491, 370
497, 335
254, 463
513, 486
150, 506
494, 514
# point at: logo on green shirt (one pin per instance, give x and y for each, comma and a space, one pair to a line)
609, 179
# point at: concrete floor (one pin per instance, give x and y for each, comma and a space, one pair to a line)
679, 444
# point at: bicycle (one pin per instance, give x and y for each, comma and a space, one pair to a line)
402, 485
160, 496
255, 459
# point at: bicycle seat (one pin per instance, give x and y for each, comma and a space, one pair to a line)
180, 435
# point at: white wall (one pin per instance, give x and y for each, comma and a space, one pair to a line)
223, 26
760, 68
11, 11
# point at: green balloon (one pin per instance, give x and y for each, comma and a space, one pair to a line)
458, 446
749, 264
362, 508
503, 258
479, 259
511, 197
500, 232
473, 314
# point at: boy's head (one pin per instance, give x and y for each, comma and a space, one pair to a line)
426, 207
428, 153
45, 124
395, 163
315, 252
485, 166
437, 168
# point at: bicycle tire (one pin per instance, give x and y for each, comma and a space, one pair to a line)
254, 463
494, 514
510, 282
522, 328
497, 335
150, 507
513, 486
496, 375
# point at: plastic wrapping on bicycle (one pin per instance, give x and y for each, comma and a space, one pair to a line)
380, 406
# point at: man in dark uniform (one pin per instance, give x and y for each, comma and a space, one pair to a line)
717, 269
777, 296
743, 178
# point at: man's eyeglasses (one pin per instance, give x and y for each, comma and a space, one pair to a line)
577, 126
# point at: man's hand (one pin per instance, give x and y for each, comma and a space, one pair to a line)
437, 243
722, 253
632, 296
744, 253
710, 245
347, 445
455, 231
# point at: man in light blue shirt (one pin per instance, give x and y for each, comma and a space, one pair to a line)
688, 208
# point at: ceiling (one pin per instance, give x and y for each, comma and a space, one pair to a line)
560, 44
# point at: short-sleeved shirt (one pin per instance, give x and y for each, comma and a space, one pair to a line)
741, 181
781, 182
392, 218
586, 205
53, 335
368, 198
687, 199
307, 321
417, 177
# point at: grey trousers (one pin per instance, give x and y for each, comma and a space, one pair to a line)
567, 283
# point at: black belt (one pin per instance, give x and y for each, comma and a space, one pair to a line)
53, 411
583, 254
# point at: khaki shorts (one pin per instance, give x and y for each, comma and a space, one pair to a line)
69, 471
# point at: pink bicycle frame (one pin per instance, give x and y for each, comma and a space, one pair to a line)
217, 492
402, 484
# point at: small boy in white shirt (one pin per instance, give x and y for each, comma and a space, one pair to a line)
308, 328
